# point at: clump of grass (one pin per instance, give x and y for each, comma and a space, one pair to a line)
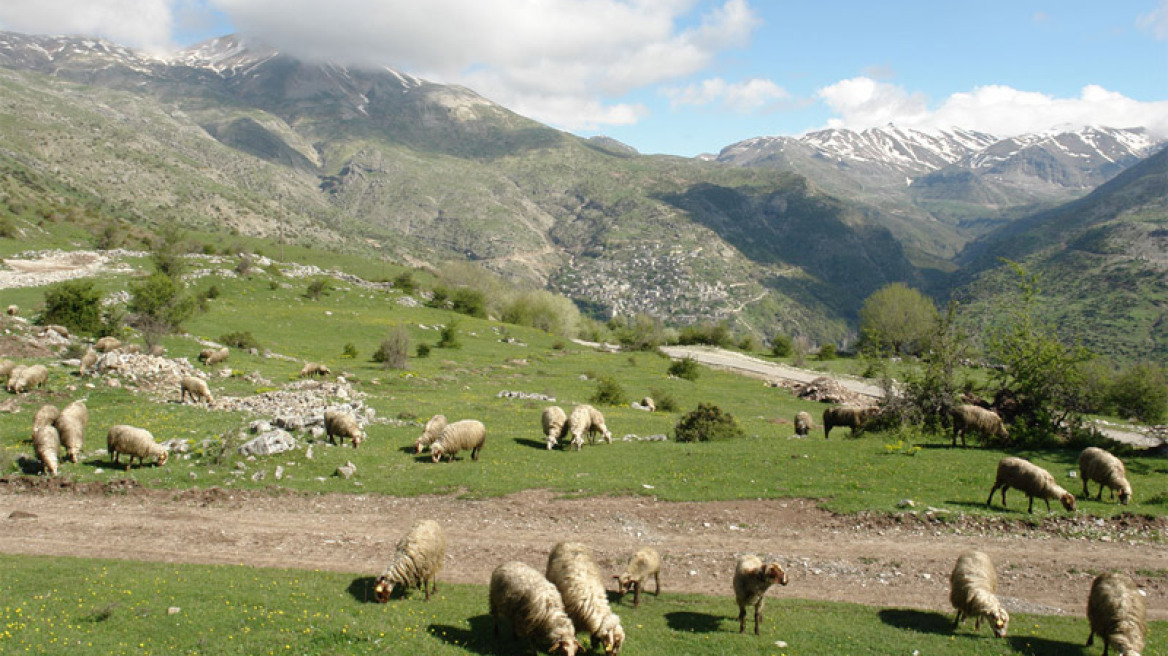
686, 369
609, 392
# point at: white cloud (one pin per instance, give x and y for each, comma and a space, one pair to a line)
861, 103
1156, 21
743, 97
144, 24
559, 61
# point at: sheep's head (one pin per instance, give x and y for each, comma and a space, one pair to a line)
418, 448
435, 452
163, 457
358, 439
1001, 431
611, 635
1000, 622
1125, 493
624, 583
565, 648
1068, 500
773, 573
383, 589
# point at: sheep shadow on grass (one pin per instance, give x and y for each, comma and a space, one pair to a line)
689, 622
534, 444
1032, 646
361, 589
919, 621
479, 638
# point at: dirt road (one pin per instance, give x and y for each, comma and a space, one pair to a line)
878, 561
744, 364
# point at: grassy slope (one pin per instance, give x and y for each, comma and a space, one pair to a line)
869, 473
69, 606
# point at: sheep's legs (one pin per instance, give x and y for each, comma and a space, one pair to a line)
757, 616
741, 618
657, 580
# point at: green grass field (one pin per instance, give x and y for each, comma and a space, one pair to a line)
81, 606
873, 472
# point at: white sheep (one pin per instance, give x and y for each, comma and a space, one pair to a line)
1099, 466
571, 569
586, 419
24, 379
649, 404
597, 426
466, 435
107, 344
417, 561
196, 388
977, 419
342, 424
645, 562
430, 433
47, 446
1116, 611
15, 377
553, 420
12, 310
803, 423
534, 608
314, 369
71, 425
6, 366
45, 416
134, 442
211, 357
1030, 479
853, 418
87, 362
752, 579
973, 587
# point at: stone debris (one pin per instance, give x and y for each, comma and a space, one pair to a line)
526, 396
827, 390
648, 438
346, 470
269, 443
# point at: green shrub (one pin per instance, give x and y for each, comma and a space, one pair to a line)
439, 298
544, 311
394, 351
75, 304
1141, 391
349, 351
708, 423
470, 302
664, 400
7, 228
423, 350
243, 264
316, 288
404, 282
782, 346
448, 337
748, 343
686, 368
609, 392
827, 352
242, 340
706, 332
162, 300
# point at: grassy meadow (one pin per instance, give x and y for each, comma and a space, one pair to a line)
872, 472
71, 606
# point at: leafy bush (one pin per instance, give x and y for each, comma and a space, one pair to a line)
394, 351
1141, 391
544, 311
316, 288
243, 264
609, 392
423, 350
708, 423
161, 300
781, 346
242, 340
748, 343
439, 298
349, 351
707, 332
686, 368
664, 400
448, 337
640, 333
827, 351
75, 304
405, 283
470, 302
7, 228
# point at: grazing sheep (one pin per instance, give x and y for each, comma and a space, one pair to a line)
61, 331
417, 560
803, 423
107, 344
23, 379
534, 608
597, 426
1099, 466
649, 404
1031, 479
212, 357
973, 588
47, 446
158, 350
465, 435
87, 362
586, 419
430, 433
45, 416
571, 569
314, 369
71, 425
342, 424
1116, 611
553, 421
196, 388
853, 418
979, 420
6, 367
645, 562
12, 310
134, 442
15, 376
752, 579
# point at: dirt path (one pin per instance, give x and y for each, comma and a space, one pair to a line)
876, 561
744, 364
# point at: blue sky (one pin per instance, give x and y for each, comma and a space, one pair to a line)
692, 76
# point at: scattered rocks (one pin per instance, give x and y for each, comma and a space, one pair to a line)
648, 438
526, 396
346, 470
269, 443
827, 390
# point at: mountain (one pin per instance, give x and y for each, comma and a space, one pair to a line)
937, 190
1102, 263
229, 136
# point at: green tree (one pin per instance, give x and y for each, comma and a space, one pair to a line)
168, 250
161, 300
394, 351
75, 304
930, 393
782, 346
1044, 376
1141, 391
897, 319
609, 392
707, 423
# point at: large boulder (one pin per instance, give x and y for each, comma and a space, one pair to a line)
269, 443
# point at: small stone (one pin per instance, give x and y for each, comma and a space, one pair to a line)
906, 503
173, 610
346, 470
279, 472
259, 475
308, 453
192, 475
99, 470
780, 644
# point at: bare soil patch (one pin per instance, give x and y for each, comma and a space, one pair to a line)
1045, 564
